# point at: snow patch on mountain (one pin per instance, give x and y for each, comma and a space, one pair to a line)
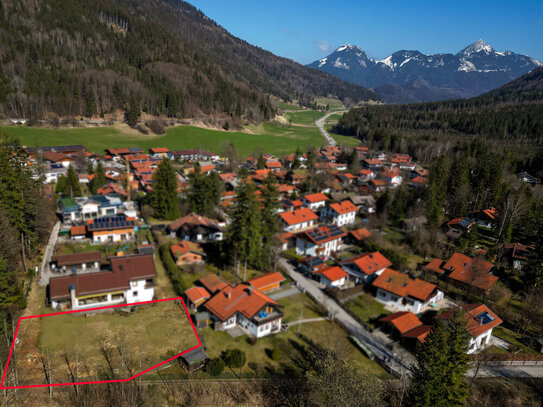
387, 61
339, 64
323, 61
466, 66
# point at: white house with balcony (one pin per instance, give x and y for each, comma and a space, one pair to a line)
341, 214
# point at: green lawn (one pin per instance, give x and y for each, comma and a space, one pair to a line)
324, 333
366, 308
333, 103
512, 337
295, 304
305, 117
288, 106
148, 336
273, 138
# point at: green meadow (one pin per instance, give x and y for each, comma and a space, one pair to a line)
274, 137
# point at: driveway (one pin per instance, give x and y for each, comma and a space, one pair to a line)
45, 271
285, 293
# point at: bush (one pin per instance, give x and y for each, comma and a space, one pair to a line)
234, 358
214, 366
156, 126
275, 353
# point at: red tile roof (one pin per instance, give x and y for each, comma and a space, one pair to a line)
266, 281
212, 283
435, 266
332, 273
472, 271
344, 207
475, 326
361, 234
402, 285
157, 150
420, 333
78, 230
298, 216
242, 298
403, 321
273, 164
185, 246
369, 263
313, 198
76, 258
196, 294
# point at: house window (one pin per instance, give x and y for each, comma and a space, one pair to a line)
134, 293
134, 283
382, 294
394, 298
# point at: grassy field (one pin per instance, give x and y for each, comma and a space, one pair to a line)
324, 333
333, 103
126, 340
366, 308
307, 117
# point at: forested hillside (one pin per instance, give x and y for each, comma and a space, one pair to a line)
164, 57
513, 113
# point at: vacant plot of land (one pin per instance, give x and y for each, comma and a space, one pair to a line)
103, 346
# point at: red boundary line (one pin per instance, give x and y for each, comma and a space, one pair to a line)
94, 309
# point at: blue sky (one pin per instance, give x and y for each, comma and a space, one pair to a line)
306, 30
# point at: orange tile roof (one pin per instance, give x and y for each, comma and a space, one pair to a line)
242, 298
365, 172
472, 271
332, 273
361, 234
159, 150
390, 172
184, 247
420, 333
403, 321
298, 216
263, 283
402, 285
436, 266
273, 164
318, 197
196, 294
212, 283
78, 230
344, 207
369, 263
474, 325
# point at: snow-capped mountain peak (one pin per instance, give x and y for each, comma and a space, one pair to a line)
348, 47
476, 47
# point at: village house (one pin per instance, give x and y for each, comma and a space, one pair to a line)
464, 272
357, 236
480, 322
485, 218
244, 307
196, 296
196, 228
111, 228
365, 203
321, 241
414, 223
129, 280
365, 175
52, 173
76, 262
391, 176
159, 152
404, 293
343, 213
517, 254
314, 201
332, 276
186, 252
298, 219
267, 282
365, 267
311, 264
456, 227
400, 323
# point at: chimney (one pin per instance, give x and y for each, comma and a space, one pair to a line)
228, 293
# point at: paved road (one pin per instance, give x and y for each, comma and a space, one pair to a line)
508, 371
45, 271
320, 125
379, 349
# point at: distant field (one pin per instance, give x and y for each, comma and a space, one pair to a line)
288, 106
274, 138
104, 345
333, 103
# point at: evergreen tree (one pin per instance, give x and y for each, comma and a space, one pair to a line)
532, 269
164, 195
353, 161
261, 163
382, 203
244, 233
99, 179
429, 373
133, 112
204, 191
270, 195
442, 363
72, 187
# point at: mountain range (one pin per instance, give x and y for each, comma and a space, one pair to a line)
411, 76
165, 57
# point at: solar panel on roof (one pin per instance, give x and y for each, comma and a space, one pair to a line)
485, 318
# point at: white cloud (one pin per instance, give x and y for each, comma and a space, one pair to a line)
323, 45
